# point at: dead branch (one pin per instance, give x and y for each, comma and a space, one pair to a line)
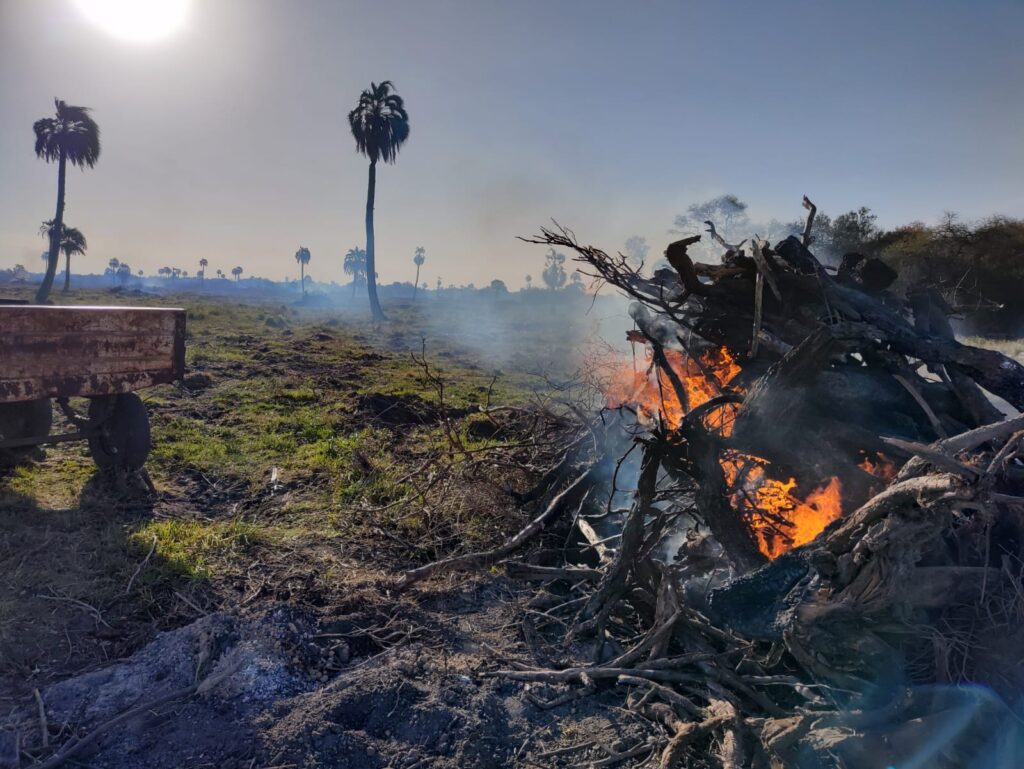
470, 561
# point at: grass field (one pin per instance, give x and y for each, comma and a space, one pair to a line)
282, 463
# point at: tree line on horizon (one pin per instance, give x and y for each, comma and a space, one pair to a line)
979, 267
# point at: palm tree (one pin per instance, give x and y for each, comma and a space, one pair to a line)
112, 266
380, 125
220, 273
419, 259
72, 241
72, 136
302, 257
529, 282
237, 272
203, 264
355, 265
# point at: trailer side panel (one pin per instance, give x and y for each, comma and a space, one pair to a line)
48, 352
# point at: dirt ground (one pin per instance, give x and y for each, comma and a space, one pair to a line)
270, 550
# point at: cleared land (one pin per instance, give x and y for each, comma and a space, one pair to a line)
290, 496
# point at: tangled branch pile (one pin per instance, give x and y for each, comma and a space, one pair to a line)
826, 517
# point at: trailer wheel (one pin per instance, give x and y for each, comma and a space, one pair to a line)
121, 431
28, 419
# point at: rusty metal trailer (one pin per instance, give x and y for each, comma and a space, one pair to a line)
104, 354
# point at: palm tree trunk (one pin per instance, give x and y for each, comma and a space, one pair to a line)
416, 285
302, 271
371, 267
67, 272
58, 227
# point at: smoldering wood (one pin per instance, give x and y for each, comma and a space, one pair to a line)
737, 659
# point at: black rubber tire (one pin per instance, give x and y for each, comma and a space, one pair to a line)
28, 419
123, 437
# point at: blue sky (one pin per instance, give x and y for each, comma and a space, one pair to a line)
228, 140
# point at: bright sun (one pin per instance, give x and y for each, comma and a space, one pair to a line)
139, 21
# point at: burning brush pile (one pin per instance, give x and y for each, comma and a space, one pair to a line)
824, 543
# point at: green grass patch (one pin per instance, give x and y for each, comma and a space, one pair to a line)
198, 550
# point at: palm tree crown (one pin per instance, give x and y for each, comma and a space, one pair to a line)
72, 241
379, 123
72, 133
420, 257
355, 263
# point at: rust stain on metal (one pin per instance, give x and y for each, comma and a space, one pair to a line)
50, 352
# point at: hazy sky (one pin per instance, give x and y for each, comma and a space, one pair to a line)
229, 140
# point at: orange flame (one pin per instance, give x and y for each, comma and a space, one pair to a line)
650, 390
779, 518
881, 467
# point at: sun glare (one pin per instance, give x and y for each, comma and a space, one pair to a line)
138, 21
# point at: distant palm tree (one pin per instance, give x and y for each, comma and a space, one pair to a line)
419, 258
72, 136
355, 265
112, 266
203, 264
380, 125
184, 273
175, 272
237, 272
529, 282
220, 273
72, 241
302, 257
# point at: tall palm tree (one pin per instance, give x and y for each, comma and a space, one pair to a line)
203, 264
302, 257
72, 241
72, 136
355, 265
237, 272
112, 266
380, 125
419, 258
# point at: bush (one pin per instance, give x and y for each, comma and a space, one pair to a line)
979, 269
